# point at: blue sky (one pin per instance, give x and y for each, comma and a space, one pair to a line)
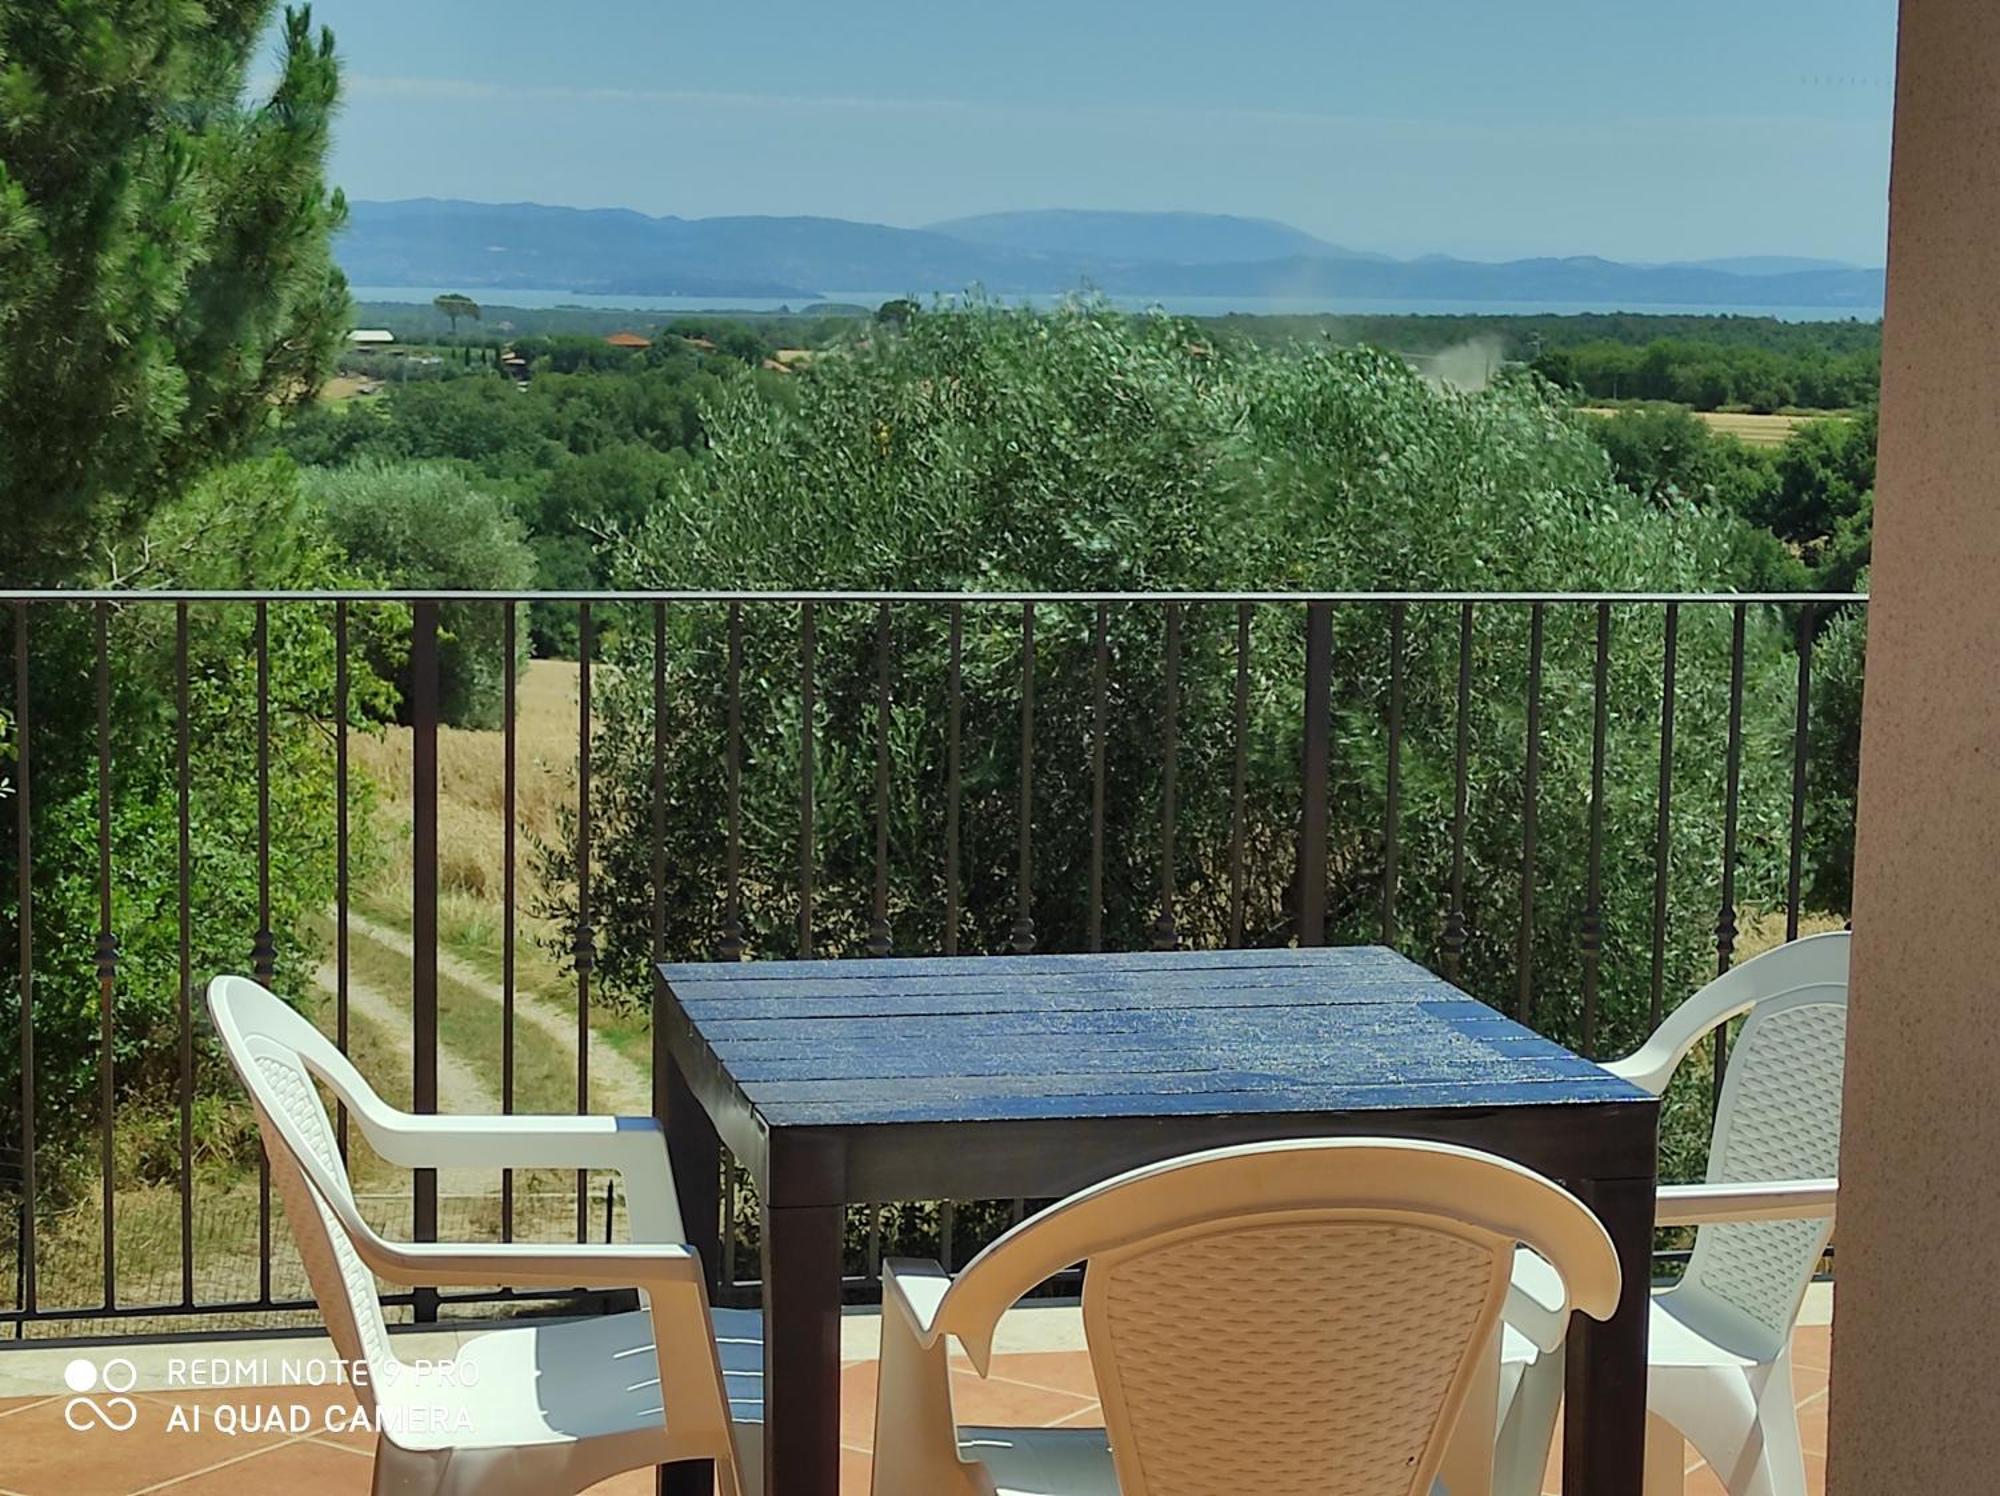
1489, 128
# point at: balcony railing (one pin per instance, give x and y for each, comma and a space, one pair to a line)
1569, 803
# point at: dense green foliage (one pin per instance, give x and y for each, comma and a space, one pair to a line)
242, 526
583, 450
1523, 337
164, 270
1092, 451
422, 526
1708, 376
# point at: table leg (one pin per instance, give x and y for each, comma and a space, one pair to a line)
695, 1155
802, 1265
1604, 1416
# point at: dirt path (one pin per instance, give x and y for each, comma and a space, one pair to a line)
616, 1083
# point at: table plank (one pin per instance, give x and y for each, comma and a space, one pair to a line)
1351, 962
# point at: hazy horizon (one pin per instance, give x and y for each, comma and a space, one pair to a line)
1456, 127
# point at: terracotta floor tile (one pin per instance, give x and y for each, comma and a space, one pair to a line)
857, 1406
1062, 1371
1812, 1345
303, 1468
855, 1470
1812, 1429
1009, 1404
43, 1456
631, 1483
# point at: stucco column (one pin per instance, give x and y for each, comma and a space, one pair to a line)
1916, 1384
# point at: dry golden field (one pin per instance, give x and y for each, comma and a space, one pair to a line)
1752, 429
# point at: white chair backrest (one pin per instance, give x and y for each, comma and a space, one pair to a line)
277, 1053
1778, 1119
1290, 1318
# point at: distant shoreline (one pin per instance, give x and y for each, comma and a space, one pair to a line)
539, 299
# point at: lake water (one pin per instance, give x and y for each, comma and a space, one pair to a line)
1191, 306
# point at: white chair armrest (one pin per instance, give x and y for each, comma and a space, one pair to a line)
914, 1288
635, 1147
1715, 1204
533, 1264
916, 1432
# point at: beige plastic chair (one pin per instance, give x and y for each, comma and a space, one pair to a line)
1720, 1361
1291, 1317
538, 1410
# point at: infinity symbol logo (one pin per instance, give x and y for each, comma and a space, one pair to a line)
115, 1413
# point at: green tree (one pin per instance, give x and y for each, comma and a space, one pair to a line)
454, 306
999, 450
165, 277
426, 526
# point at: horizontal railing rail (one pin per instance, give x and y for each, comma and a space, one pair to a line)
1569, 802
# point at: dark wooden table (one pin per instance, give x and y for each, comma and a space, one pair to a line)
853, 1082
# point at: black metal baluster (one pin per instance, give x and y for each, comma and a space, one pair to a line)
25, 895
185, 939
878, 930
1663, 826
1801, 738
107, 967
423, 917
1524, 1000
586, 944
806, 647
1240, 776
264, 957
1024, 921
1591, 937
1725, 918
1318, 755
341, 838
947, 1233
661, 1061
508, 789
1454, 920
1165, 937
1100, 671
658, 794
1392, 806
954, 720
731, 945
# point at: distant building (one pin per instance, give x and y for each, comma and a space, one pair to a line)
371, 335
706, 345
628, 340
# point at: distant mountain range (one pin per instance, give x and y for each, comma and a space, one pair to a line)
493, 247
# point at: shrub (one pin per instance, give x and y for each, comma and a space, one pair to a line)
424, 525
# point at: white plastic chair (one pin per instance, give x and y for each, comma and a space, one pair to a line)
1282, 1317
1720, 1338
535, 1410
